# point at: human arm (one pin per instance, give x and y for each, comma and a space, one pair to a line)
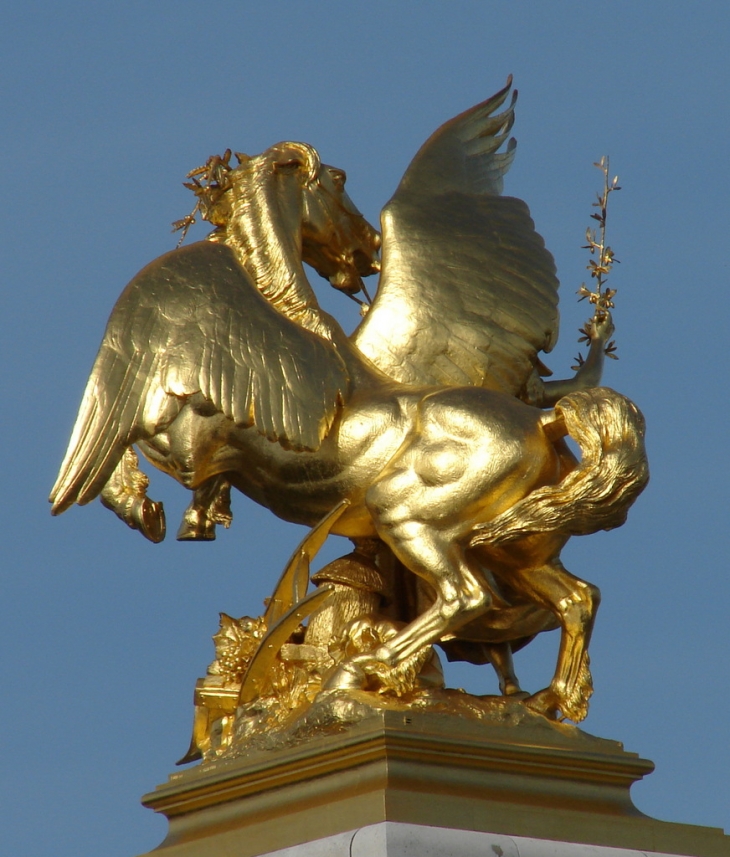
544, 394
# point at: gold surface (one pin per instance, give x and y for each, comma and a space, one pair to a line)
428, 431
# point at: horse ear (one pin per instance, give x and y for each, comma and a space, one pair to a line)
297, 154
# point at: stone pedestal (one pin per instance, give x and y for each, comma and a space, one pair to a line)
533, 780
394, 839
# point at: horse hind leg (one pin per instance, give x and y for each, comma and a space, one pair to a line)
500, 657
126, 495
460, 596
574, 602
211, 505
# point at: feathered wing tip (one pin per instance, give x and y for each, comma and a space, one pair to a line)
462, 154
109, 409
480, 130
468, 292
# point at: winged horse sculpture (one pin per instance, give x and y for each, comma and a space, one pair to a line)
431, 420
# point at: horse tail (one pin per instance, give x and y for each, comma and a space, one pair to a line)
613, 471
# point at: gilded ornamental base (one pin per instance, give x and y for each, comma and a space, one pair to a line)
515, 776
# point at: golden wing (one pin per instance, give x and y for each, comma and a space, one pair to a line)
192, 322
468, 292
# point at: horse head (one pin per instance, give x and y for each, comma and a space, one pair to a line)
337, 241
311, 203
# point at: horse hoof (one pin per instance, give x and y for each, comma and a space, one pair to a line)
196, 528
518, 693
151, 521
546, 703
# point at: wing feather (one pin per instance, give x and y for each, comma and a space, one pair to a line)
192, 322
468, 292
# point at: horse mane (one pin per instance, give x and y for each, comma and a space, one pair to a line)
244, 203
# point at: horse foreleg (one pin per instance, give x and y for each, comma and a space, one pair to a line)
126, 495
574, 602
211, 505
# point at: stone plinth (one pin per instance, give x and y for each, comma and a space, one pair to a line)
530, 779
393, 839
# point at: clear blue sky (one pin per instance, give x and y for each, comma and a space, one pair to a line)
104, 108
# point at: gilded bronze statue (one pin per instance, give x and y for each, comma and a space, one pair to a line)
428, 436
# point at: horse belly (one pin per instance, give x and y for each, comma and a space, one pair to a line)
361, 443
300, 487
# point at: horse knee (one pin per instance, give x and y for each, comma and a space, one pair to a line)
465, 602
579, 608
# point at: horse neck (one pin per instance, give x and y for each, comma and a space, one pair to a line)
265, 232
